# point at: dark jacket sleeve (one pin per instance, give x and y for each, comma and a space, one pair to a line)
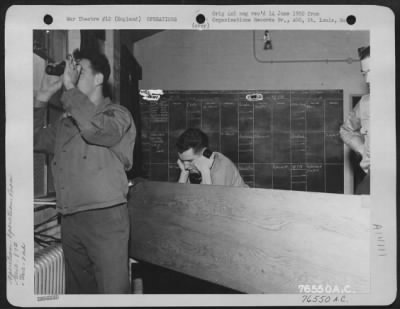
44, 137
104, 128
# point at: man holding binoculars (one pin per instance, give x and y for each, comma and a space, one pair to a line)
92, 145
199, 165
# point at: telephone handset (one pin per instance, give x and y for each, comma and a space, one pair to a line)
207, 153
196, 178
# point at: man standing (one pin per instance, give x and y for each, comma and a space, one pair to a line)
93, 146
199, 165
355, 130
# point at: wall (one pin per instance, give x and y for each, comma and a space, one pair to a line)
208, 60
224, 60
39, 162
40, 173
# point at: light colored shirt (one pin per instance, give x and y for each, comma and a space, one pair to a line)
355, 131
224, 172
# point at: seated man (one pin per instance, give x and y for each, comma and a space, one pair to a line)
199, 165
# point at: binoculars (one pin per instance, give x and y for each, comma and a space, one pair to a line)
56, 70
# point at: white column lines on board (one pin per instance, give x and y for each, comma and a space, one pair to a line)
220, 128
168, 138
272, 141
290, 140
254, 167
324, 103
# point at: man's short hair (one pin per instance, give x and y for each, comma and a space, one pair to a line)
192, 138
363, 52
98, 61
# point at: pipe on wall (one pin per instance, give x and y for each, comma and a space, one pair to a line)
349, 60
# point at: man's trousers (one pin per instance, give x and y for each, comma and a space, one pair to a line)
95, 245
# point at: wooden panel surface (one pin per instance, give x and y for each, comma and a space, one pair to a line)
252, 240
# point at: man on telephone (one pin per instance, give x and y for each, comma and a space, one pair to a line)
199, 165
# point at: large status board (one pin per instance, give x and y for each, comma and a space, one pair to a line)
278, 139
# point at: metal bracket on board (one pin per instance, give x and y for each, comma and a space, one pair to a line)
254, 97
151, 94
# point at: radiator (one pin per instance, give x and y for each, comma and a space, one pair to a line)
49, 271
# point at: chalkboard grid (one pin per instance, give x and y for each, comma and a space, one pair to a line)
279, 139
